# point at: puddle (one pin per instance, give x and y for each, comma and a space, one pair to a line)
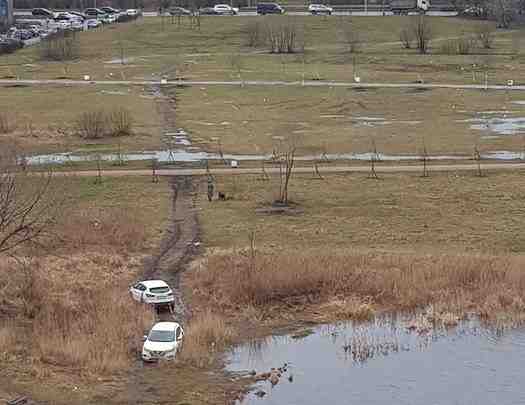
119, 61
181, 153
498, 125
384, 363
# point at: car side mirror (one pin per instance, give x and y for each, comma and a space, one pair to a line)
144, 338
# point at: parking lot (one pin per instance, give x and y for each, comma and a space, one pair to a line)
33, 26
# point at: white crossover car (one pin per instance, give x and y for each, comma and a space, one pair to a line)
162, 342
225, 9
316, 9
155, 292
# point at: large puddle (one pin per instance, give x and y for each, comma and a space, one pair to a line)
384, 362
187, 155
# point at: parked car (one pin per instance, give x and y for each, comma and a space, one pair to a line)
269, 8
225, 9
155, 292
208, 11
79, 15
63, 24
316, 9
162, 342
179, 11
93, 23
94, 12
110, 10
43, 12
132, 12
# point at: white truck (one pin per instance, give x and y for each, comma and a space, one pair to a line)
401, 7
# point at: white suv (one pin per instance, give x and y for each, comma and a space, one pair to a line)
162, 342
315, 9
155, 292
225, 9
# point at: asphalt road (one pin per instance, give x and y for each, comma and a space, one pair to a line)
305, 170
307, 83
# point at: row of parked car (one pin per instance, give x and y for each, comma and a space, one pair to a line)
45, 22
262, 9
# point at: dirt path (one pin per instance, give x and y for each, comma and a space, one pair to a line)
154, 384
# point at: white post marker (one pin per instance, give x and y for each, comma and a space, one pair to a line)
510, 83
163, 81
86, 78
234, 164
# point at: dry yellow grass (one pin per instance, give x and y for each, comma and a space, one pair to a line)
207, 335
488, 285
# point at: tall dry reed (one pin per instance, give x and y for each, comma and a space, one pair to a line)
487, 284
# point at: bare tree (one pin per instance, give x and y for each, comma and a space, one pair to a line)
406, 37
350, 36
28, 208
422, 33
424, 159
285, 158
374, 157
485, 34
477, 158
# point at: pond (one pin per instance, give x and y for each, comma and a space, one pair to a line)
383, 362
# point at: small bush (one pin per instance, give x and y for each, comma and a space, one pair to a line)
60, 46
7, 124
92, 125
120, 122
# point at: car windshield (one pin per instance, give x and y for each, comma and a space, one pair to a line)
161, 336
159, 290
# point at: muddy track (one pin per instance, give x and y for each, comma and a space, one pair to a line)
178, 245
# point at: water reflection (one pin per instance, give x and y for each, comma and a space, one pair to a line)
382, 362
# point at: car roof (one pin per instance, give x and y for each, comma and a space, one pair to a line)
165, 326
154, 283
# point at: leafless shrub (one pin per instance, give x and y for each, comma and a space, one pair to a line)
449, 47
284, 35
92, 124
422, 33
465, 44
255, 34
120, 122
485, 34
406, 37
7, 123
61, 46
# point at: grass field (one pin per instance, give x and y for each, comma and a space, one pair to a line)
151, 47
45, 117
248, 119
446, 212
335, 120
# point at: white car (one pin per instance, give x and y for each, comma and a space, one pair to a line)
163, 341
93, 23
132, 12
63, 24
225, 9
155, 292
316, 9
